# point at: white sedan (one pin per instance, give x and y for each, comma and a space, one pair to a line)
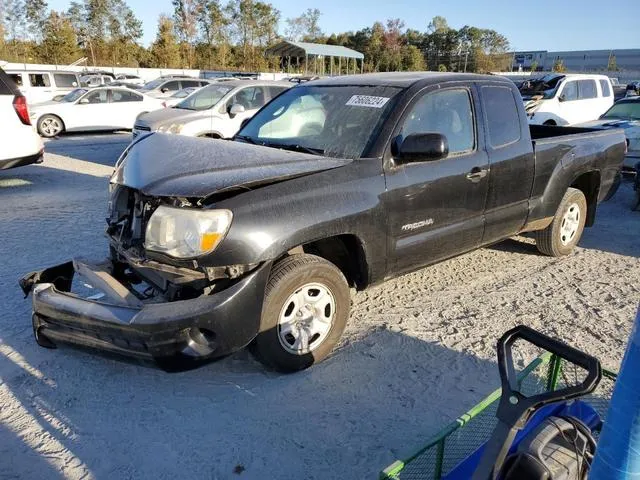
105, 108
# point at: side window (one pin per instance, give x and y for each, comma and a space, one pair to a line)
106, 80
275, 91
99, 96
173, 86
587, 89
250, 98
570, 91
190, 83
606, 91
39, 80
17, 78
65, 80
203, 84
501, 111
118, 96
447, 112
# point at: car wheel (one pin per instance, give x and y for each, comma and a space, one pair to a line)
550, 123
305, 311
50, 126
564, 232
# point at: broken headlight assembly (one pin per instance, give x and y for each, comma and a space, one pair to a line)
186, 233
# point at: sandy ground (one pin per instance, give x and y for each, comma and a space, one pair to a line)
418, 351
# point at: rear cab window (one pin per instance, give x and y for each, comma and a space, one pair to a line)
502, 119
606, 90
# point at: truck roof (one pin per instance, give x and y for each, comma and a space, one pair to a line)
404, 79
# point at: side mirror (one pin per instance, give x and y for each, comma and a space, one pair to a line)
164, 89
422, 147
236, 109
84, 101
562, 98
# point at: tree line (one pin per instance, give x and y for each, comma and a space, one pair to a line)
211, 35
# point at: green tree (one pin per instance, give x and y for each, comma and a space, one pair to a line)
412, 59
558, 66
255, 25
612, 65
165, 50
305, 27
59, 42
36, 17
213, 25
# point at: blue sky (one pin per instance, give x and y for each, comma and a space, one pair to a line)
532, 25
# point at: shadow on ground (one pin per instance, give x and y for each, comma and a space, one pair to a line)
348, 417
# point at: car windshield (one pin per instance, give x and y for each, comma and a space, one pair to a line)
546, 86
336, 121
74, 95
204, 98
185, 92
153, 84
624, 110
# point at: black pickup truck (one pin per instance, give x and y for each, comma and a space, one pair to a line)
336, 183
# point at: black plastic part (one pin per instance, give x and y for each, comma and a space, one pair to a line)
514, 408
168, 332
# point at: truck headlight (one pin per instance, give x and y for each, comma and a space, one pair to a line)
186, 233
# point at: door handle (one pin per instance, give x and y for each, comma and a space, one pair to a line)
476, 174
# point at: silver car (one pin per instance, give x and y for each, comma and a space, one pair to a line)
215, 111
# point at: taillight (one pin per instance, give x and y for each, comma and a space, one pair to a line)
20, 106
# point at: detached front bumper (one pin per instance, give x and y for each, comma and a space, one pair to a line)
172, 333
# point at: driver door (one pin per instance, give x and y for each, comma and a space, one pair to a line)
91, 112
251, 99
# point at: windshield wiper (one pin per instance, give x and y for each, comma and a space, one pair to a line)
297, 148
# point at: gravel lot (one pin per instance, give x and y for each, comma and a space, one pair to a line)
418, 351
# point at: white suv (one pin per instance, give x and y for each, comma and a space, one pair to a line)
559, 99
19, 143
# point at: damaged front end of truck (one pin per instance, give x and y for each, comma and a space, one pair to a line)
162, 294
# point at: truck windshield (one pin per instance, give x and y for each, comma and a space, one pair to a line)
336, 121
204, 98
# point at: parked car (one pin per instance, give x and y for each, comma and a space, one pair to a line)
633, 89
619, 90
41, 85
624, 114
219, 244
215, 111
165, 87
21, 145
102, 108
130, 79
179, 96
93, 81
566, 99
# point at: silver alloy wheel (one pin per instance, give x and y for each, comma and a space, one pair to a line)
306, 318
570, 224
51, 126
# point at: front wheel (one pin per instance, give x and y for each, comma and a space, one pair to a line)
305, 311
50, 126
564, 232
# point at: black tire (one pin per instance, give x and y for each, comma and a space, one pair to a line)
552, 240
44, 126
287, 277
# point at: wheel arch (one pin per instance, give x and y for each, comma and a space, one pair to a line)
345, 251
589, 184
57, 115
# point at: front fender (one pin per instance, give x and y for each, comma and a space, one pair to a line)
271, 220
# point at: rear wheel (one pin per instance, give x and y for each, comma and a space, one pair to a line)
50, 126
564, 232
305, 311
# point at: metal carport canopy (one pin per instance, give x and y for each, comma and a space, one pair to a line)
287, 48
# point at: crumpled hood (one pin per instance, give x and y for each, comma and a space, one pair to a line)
178, 166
